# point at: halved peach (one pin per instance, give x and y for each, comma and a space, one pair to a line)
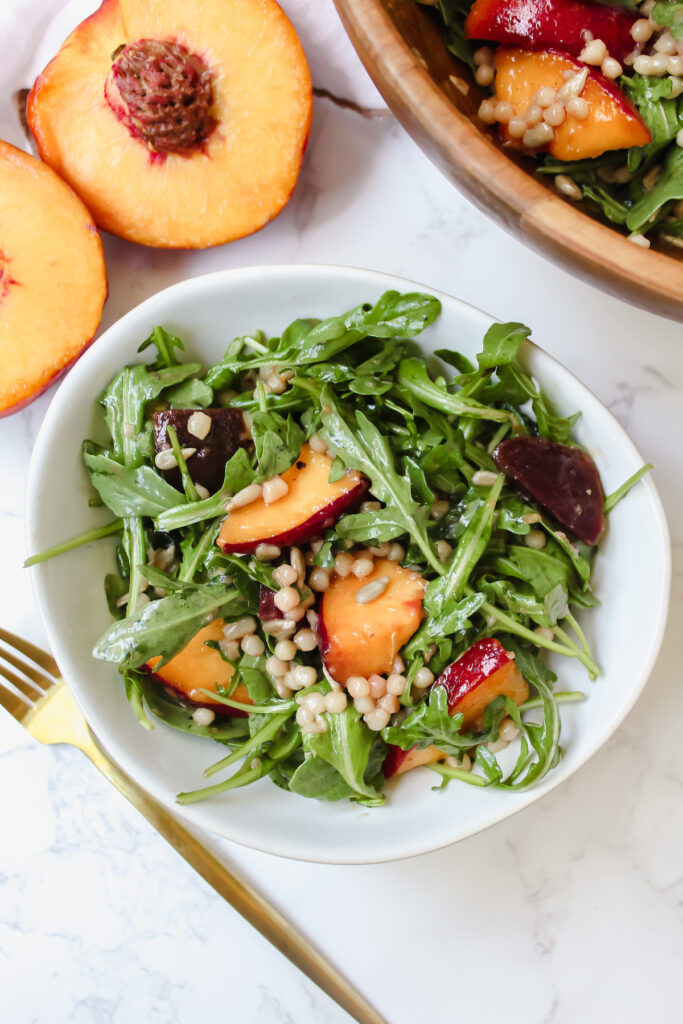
483, 672
52, 278
612, 122
180, 124
198, 667
359, 639
311, 505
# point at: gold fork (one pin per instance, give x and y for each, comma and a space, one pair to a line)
39, 699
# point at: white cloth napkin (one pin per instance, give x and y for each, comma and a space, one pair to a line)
44, 24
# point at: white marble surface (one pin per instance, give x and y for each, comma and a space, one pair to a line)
569, 911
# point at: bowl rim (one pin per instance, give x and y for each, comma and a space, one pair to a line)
145, 775
500, 188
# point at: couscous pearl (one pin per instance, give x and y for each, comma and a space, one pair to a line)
396, 553
443, 550
611, 68
544, 632
545, 96
674, 65
343, 564
316, 545
230, 649
504, 111
539, 135
274, 489
315, 702
364, 705
242, 627
377, 719
396, 684
439, 509
555, 115
285, 650
484, 55
199, 424
533, 114
577, 107
305, 640
275, 384
593, 52
378, 686
358, 686
399, 665
380, 550
335, 702
516, 127
253, 645
423, 679
275, 667
267, 552
487, 111
658, 64
642, 30
535, 539
282, 689
317, 444
370, 506
319, 579
286, 598
508, 730
203, 716
284, 575
665, 43
484, 74
389, 702
566, 187
278, 627
303, 716
295, 614
302, 676
362, 567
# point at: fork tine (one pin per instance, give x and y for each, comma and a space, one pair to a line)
10, 702
40, 657
37, 675
29, 690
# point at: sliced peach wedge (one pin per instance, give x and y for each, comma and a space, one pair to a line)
612, 121
359, 639
310, 506
198, 667
180, 124
483, 672
52, 278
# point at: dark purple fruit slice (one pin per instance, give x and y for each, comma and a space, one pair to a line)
563, 480
266, 605
207, 465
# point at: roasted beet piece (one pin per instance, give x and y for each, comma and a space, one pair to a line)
266, 605
207, 465
563, 480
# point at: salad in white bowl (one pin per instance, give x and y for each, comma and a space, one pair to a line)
342, 556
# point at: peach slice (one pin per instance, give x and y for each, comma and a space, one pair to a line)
198, 667
52, 278
361, 639
483, 672
398, 761
559, 24
612, 122
311, 505
180, 124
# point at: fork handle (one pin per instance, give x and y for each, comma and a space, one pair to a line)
241, 896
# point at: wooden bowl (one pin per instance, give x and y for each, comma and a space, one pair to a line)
435, 98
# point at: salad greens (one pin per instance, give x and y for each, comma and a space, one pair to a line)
638, 189
358, 384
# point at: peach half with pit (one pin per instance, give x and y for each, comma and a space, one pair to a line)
180, 124
53, 282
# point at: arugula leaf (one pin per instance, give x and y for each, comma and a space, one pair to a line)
670, 14
319, 780
278, 441
381, 526
167, 625
238, 474
412, 373
165, 344
502, 343
430, 723
224, 729
129, 491
667, 188
191, 394
346, 745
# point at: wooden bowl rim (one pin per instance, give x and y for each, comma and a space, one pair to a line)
496, 184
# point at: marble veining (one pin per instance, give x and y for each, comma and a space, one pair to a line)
571, 910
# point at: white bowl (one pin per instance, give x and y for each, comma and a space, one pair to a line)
631, 578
